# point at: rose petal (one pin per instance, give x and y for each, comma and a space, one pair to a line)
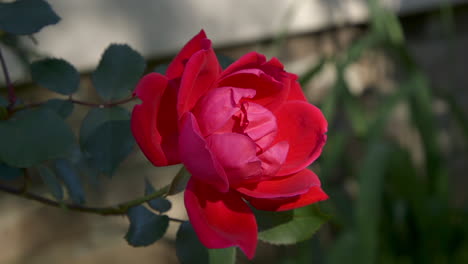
217, 107
249, 60
262, 127
154, 123
270, 92
220, 219
303, 126
197, 157
273, 158
177, 66
295, 90
286, 186
237, 154
200, 73
313, 195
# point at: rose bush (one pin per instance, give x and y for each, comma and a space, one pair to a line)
246, 134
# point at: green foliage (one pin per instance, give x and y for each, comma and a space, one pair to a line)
161, 68
51, 182
159, 204
67, 172
24, 17
109, 145
180, 181
189, 249
62, 107
8, 173
145, 226
222, 255
224, 60
106, 139
3, 101
52, 138
302, 224
56, 75
118, 72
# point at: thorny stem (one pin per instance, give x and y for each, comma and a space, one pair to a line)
11, 89
119, 209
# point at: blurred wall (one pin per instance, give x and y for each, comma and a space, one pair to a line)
160, 28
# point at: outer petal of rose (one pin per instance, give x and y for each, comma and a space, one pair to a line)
200, 73
314, 194
286, 186
177, 66
237, 154
197, 157
295, 90
249, 60
273, 158
218, 106
156, 134
220, 219
303, 126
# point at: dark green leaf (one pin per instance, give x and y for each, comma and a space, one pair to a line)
222, 255
145, 226
52, 183
159, 204
62, 107
9, 173
161, 68
304, 223
109, 145
32, 136
312, 72
344, 249
189, 249
224, 61
3, 101
56, 75
180, 181
24, 17
72, 180
118, 72
98, 116
371, 179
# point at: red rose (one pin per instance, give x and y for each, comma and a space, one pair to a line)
245, 134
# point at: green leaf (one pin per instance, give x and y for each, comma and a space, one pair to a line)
145, 226
24, 17
344, 249
62, 107
118, 72
312, 72
51, 182
304, 223
161, 69
98, 116
109, 145
222, 255
180, 181
189, 249
56, 75
224, 60
32, 136
159, 204
371, 179
72, 180
3, 101
8, 173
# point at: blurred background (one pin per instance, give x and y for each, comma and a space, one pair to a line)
390, 76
